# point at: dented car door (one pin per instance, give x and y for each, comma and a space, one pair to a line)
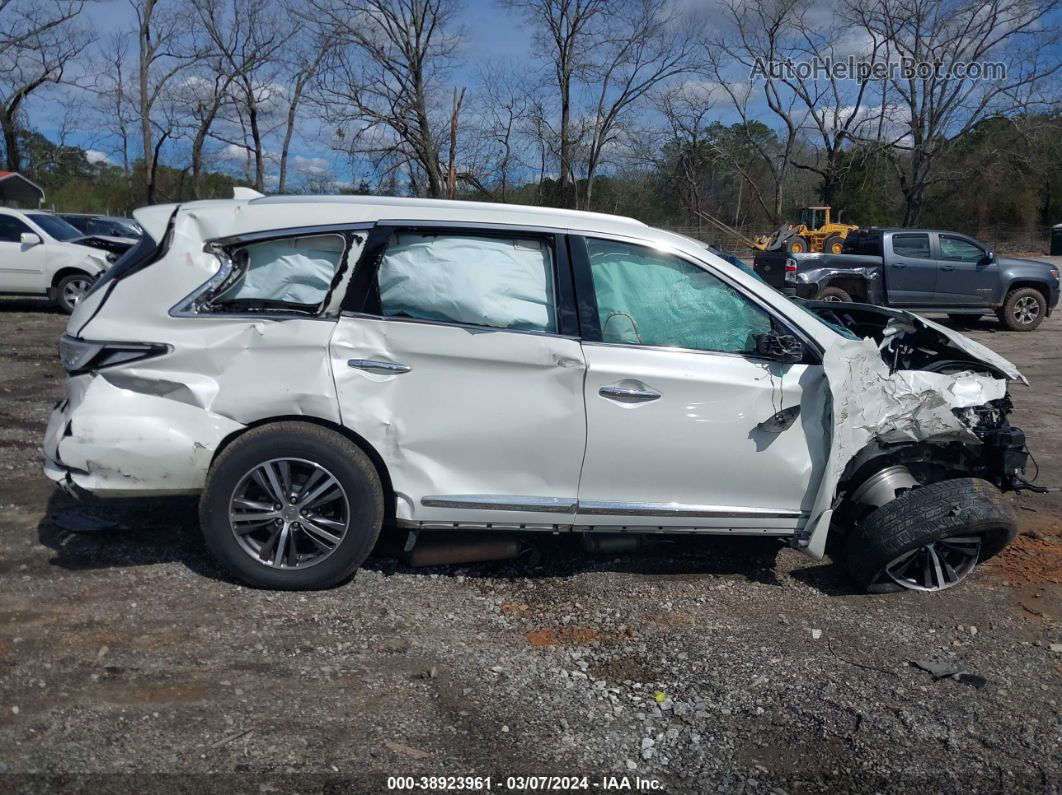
687, 425
456, 359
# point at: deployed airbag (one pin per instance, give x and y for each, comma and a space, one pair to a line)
297, 270
484, 281
650, 298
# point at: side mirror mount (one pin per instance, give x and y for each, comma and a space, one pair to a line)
780, 346
988, 258
30, 239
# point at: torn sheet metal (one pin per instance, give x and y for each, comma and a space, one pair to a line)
153, 428
964, 344
870, 402
114, 442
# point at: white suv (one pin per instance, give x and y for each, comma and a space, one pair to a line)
315, 367
40, 255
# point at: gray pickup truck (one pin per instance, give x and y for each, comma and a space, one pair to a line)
926, 270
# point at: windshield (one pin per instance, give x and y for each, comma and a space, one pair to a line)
834, 327
55, 227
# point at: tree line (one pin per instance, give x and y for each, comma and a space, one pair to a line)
654, 108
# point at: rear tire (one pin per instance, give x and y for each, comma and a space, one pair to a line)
833, 245
914, 531
1023, 310
834, 294
326, 540
71, 289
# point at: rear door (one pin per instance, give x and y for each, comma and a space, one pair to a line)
967, 277
687, 426
457, 358
910, 270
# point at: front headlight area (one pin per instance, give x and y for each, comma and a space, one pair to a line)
81, 356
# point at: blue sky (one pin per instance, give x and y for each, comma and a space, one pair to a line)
489, 31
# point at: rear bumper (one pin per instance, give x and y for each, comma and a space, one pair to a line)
114, 442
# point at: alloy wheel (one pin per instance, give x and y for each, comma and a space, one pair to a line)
937, 565
74, 290
1026, 310
289, 513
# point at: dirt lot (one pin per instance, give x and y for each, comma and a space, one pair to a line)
127, 660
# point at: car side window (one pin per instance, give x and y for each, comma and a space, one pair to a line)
648, 297
959, 250
494, 281
293, 270
913, 245
11, 229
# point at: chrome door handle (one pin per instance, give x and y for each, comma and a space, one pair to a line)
628, 394
376, 366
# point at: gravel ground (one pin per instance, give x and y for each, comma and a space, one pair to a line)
127, 659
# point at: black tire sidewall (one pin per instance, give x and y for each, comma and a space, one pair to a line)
829, 243
342, 458
963, 506
1007, 315
837, 291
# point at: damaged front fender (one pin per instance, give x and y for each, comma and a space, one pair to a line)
872, 402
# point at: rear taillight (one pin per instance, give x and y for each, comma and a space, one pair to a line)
80, 356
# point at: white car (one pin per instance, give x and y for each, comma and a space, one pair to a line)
315, 367
40, 255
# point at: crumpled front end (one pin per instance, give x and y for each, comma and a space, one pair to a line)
882, 413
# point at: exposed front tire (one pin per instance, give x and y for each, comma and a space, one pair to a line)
1024, 309
797, 245
292, 506
929, 538
71, 289
834, 294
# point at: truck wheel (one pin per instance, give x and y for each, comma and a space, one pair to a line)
833, 245
291, 506
834, 294
71, 289
1023, 310
929, 538
797, 245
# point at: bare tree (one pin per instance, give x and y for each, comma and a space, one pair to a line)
923, 114
164, 50
507, 111
385, 81
39, 39
305, 53
641, 44
247, 36
566, 30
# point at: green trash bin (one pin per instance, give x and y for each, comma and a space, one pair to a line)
1056, 241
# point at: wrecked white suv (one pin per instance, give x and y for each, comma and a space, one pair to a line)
316, 367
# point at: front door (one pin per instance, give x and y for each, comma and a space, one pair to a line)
21, 264
458, 364
687, 427
910, 270
966, 276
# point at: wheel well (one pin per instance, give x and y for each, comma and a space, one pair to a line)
854, 286
64, 272
1017, 285
368, 449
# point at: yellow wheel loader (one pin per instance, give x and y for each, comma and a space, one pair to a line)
814, 233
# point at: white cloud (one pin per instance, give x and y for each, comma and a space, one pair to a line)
311, 166
95, 156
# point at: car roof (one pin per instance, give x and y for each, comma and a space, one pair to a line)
446, 209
